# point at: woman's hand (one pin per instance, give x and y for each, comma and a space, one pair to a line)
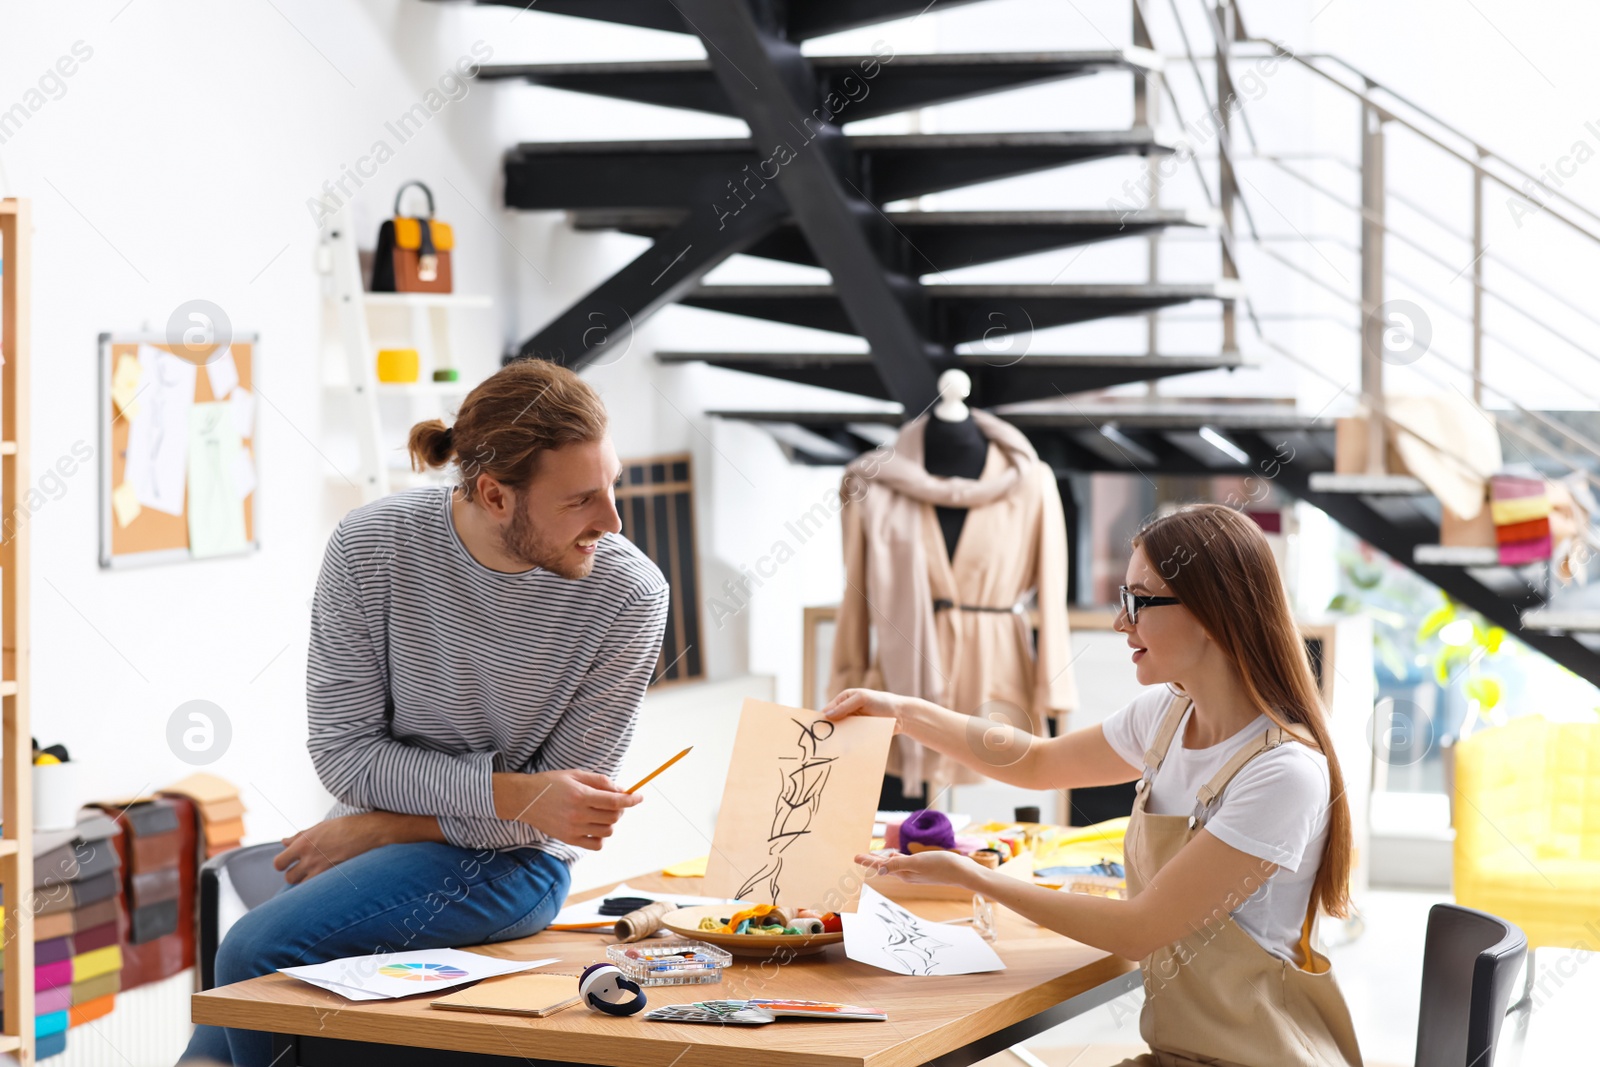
935, 867
871, 702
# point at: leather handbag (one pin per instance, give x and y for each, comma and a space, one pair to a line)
413, 253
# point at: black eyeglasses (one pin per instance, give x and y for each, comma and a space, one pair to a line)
1132, 602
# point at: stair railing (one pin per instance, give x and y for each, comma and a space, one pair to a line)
1379, 110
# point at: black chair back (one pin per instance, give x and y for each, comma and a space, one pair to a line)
1469, 965
254, 879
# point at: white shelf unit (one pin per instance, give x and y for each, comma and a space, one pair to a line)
423, 321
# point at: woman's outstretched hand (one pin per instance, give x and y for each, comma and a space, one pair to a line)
935, 867
870, 702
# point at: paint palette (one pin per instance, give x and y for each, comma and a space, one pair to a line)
686, 921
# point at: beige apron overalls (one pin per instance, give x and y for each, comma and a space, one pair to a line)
1217, 997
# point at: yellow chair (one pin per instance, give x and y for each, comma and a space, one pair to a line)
1527, 821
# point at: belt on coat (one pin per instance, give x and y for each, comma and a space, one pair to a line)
942, 604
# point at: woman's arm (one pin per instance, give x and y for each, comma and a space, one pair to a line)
1205, 880
994, 747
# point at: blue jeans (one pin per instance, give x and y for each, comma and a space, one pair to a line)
390, 899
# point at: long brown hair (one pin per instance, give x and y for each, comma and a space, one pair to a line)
1218, 563
514, 415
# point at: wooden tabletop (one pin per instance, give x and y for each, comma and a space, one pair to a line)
928, 1016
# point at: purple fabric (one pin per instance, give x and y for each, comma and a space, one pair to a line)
53, 950
927, 827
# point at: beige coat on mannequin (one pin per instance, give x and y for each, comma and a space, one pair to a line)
977, 662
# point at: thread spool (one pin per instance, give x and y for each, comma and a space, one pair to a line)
989, 857
808, 926
638, 925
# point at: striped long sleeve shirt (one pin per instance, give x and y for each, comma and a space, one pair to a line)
428, 671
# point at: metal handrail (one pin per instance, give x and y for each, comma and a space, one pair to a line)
1224, 156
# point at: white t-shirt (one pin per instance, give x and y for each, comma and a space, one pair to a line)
1275, 808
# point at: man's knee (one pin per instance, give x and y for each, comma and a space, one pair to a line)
253, 946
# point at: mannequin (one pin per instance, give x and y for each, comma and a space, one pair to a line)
919, 618
954, 447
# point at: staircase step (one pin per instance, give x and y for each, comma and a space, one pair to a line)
1455, 556
1548, 619
962, 313
722, 174
932, 241
859, 86
812, 18
996, 379
1367, 484
1095, 436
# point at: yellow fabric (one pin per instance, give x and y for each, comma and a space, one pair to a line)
408, 234
1527, 821
1519, 509
1083, 846
93, 964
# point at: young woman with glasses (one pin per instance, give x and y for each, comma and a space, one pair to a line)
1240, 833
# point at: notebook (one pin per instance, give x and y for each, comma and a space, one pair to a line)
537, 995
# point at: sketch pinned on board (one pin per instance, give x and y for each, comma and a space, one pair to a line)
797, 806
884, 934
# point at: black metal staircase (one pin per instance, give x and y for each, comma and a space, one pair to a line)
801, 190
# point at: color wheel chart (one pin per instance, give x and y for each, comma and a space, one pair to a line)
422, 972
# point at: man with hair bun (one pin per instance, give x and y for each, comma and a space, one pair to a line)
478, 655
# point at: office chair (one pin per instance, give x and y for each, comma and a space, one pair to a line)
254, 881
1469, 964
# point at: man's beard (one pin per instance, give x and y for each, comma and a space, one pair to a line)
521, 540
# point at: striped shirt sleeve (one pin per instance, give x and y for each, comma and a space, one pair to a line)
595, 729
352, 748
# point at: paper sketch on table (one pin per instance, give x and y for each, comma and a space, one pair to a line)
797, 806
883, 934
223, 372
158, 440
386, 975
216, 513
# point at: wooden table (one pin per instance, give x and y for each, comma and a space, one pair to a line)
950, 1021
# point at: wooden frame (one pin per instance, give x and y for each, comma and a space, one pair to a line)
16, 748
684, 623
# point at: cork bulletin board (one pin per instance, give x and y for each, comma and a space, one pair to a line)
182, 485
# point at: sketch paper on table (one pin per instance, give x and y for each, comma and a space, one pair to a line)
385, 975
797, 806
223, 372
158, 440
883, 934
216, 515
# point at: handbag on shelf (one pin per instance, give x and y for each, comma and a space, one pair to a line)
413, 253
